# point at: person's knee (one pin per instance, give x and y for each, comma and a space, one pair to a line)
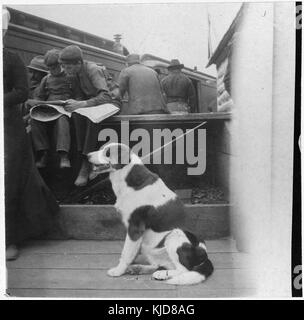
63, 123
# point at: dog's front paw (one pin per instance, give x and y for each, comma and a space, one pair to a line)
160, 275
116, 272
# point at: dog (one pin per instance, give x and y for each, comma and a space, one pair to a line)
153, 216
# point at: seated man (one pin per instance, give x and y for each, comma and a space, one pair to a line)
94, 91
55, 86
143, 88
179, 89
37, 70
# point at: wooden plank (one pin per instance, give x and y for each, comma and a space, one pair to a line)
102, 222
92, 222
106, 261
71, 293
208, 221
181, 292
79, 279
65, 261
98, 247
98, 280
73, 247
196, 292
192, 117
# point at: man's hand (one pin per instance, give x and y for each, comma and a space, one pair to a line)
72, 105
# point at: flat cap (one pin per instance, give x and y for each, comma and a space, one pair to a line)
133, 58
51, 57
71, 54
37, 63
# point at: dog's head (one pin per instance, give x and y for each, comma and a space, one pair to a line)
111, 157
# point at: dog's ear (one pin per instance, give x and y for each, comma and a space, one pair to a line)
136, 231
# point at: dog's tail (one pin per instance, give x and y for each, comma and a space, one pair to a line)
199, 274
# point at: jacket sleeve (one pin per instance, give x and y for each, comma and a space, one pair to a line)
99, 82
123, 82
20, 90
191, 94
162, 88
40, 93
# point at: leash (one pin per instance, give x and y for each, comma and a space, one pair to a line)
175, 139
101, 183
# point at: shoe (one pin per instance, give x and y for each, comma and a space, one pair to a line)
64, 161
83, 175
42, 162
12, 252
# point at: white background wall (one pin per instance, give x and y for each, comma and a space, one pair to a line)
262, 130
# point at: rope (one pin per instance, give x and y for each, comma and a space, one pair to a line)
175, 139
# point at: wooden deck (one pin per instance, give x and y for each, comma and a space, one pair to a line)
77, 268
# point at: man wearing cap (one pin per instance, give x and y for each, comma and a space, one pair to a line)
94, 91
179, 89
37, 70
54, 86
143, 88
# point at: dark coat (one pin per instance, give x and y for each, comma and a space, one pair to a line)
60, 87
178, 87
93, 84
29, 205
143, 88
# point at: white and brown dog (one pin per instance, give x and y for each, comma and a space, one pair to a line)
153, 216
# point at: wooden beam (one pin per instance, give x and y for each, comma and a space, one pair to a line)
192, 117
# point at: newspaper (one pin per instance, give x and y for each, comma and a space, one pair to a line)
51, 111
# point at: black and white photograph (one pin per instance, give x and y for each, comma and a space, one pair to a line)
151, 150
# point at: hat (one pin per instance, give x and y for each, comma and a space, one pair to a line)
175, 64
37, 63
51, 57
133, 58
71, 54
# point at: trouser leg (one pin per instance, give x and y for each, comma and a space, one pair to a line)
86, 137
80, 129
91, 136
86, 134
62, 134
39, 133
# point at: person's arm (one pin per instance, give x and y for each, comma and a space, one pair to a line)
99, 82
123, 82
102, 94
20, 90
40, 92
162, 88
191, 95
